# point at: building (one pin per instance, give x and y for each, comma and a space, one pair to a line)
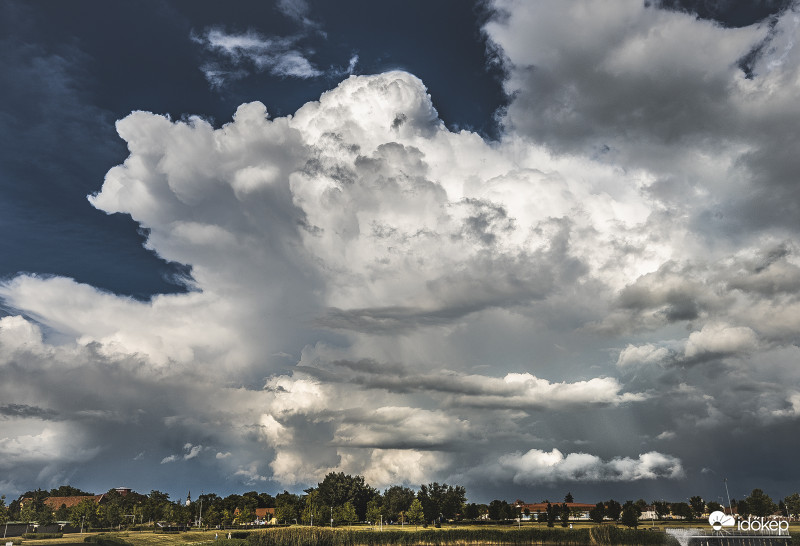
265, 516
649, 512
57, 502
577, 510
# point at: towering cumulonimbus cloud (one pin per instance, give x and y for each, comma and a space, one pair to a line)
374, 293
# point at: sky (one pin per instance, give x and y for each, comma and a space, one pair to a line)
530, 248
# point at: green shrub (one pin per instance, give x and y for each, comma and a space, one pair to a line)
104, 539
42, 535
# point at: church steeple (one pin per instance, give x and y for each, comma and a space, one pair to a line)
189, 498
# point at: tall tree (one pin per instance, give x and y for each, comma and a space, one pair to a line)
682, 510
110, 514
84, 514
338, 488
212, 516
375, 510
564, 515
442, 500
760, 504
792, 503
633, 506
287, 507
497, 510
415, 514
155, 506
34, 509
613, 510
698, 505
541, 517
62, 513
551, 515
568, 498
396, 500
252, 500
68, 491
597, 513
315, 511
245, 516
630, 518
265, 500
14, 509
3, 509
344, 514
661, 508
471, 511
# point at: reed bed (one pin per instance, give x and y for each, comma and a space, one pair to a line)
320, 536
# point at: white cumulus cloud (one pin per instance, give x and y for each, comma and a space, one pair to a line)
537, 466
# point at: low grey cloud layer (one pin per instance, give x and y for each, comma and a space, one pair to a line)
604, 296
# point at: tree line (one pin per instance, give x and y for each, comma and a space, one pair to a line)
341, 499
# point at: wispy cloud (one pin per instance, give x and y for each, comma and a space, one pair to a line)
189, 452
234, 56
297, 10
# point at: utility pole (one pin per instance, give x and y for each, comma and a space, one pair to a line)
730, 508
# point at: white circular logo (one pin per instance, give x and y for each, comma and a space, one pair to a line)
718, 520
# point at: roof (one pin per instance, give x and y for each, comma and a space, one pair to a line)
262, 512
56, 502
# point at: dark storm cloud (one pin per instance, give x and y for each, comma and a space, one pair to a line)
23, 410
114, 409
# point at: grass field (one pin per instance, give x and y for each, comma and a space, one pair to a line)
148, 538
